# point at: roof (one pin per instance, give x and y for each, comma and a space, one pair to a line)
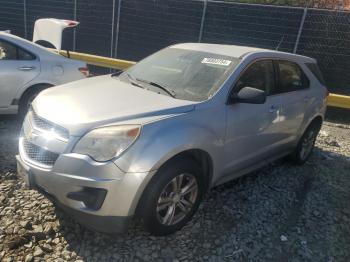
240, 51
30, 46
229, 50
23, 42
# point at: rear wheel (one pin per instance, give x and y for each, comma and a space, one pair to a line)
306, 144
172, 197
28, 97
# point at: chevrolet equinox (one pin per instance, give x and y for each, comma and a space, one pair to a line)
148, 142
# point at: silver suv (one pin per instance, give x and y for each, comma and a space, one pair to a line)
150, 141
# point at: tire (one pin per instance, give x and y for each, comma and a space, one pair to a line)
306, 144
28, 97
157, 217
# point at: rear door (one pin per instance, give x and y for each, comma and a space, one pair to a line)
253, 130
294, 88
17, 68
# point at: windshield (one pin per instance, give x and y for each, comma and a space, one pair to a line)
183, 74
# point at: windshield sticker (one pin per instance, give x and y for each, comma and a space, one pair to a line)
216, 61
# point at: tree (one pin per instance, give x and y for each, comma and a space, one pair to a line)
328, 4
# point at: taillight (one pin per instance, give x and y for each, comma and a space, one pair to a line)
85, 71
71, 23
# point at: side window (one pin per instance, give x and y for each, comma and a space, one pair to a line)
9, 51
24, 55
291, 77
317, 72
259, 75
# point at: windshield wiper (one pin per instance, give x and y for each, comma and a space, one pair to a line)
119, 72
133, 81
168, 91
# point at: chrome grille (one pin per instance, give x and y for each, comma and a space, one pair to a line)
37, 154
44, 125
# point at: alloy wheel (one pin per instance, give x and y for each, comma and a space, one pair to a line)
307, 144
177, 199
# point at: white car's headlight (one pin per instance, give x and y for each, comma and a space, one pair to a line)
105, 143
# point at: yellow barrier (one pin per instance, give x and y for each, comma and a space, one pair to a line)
339, 101
333, 99
98, 60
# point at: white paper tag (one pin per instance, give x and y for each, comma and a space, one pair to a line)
216, 61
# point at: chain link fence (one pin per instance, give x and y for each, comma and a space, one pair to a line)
326, 37
133, 29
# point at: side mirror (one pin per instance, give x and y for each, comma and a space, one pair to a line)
248, 95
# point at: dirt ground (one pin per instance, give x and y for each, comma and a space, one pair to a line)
282, 212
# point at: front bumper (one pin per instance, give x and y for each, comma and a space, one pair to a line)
73, 173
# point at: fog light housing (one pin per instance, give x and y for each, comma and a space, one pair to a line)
91, 197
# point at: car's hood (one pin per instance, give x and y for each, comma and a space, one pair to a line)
85, 104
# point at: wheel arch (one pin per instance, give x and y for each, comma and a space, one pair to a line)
34, 87
202, 157
26, 90
314, 123
317, 120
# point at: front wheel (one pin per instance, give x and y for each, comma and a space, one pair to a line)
172, 197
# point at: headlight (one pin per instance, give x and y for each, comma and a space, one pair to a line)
105, 143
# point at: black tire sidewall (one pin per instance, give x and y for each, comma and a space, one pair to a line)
151, 195
297, 156
33, 92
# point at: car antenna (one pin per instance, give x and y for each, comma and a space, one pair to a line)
280, 42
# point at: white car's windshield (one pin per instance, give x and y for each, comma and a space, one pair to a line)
184, 74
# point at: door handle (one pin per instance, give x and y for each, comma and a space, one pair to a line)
272, 109
26, 68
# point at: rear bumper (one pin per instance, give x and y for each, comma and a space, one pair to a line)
73, 174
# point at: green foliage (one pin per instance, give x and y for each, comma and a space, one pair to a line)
272, 2
328, 4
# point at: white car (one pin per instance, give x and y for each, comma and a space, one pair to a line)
27, 68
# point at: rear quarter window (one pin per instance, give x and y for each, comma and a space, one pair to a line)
315, 70
291, 77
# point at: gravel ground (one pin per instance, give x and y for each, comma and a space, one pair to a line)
280, 213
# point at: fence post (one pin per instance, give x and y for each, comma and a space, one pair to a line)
117, 29
300, 30
75, 30
112, 32
205, 3
25, 18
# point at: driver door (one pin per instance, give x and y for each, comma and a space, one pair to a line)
252, 130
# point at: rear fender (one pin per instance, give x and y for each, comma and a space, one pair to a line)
34, 83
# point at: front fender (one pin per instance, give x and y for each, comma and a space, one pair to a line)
161, 140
